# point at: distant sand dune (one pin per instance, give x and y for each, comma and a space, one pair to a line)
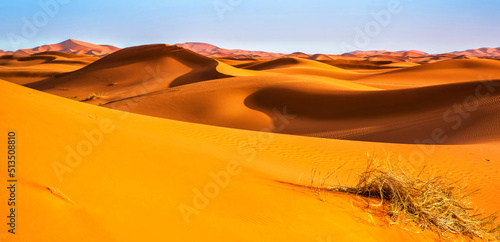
70, 46
451, 71
292, 62
24, 69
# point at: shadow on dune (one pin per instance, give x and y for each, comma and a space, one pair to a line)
396, 116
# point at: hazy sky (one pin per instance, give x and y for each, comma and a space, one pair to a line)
311, 26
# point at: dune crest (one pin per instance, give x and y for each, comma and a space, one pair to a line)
133, 71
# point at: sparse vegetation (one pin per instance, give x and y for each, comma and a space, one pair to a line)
92, 96
434, 202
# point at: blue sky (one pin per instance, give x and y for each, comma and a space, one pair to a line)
311, 26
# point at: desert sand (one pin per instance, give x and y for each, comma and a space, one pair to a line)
24, 69
157, 142
394, 104
70, 46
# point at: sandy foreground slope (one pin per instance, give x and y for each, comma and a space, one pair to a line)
88, 173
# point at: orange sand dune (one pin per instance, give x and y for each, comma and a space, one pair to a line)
328, 109
400, 64
482, 52
133, 71
236, 62
292, 62
222, 102
23, 69
361, 64
246, 63
398, 116
412, 56
135, 173
216, 52
339, 74
71, 46
320, 57
298, 66
185, 173
298, 55
451, 71
419, 57
325, 100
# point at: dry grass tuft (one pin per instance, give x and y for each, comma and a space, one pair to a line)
434, 202
91, 97
94, 96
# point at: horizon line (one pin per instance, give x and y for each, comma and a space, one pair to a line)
269, 51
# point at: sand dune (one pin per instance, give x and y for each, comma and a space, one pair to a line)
131, 72
402, 104
22, 69
324, 107
221, 102
71, 46
223, 149
482, 52
327, 109
299, 66
410, 53
163, 164
420, 57
320, 57
216, 52
414, 56
298, 55
451, 71
292, 62
400, 116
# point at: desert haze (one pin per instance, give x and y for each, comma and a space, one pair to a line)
192, 142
